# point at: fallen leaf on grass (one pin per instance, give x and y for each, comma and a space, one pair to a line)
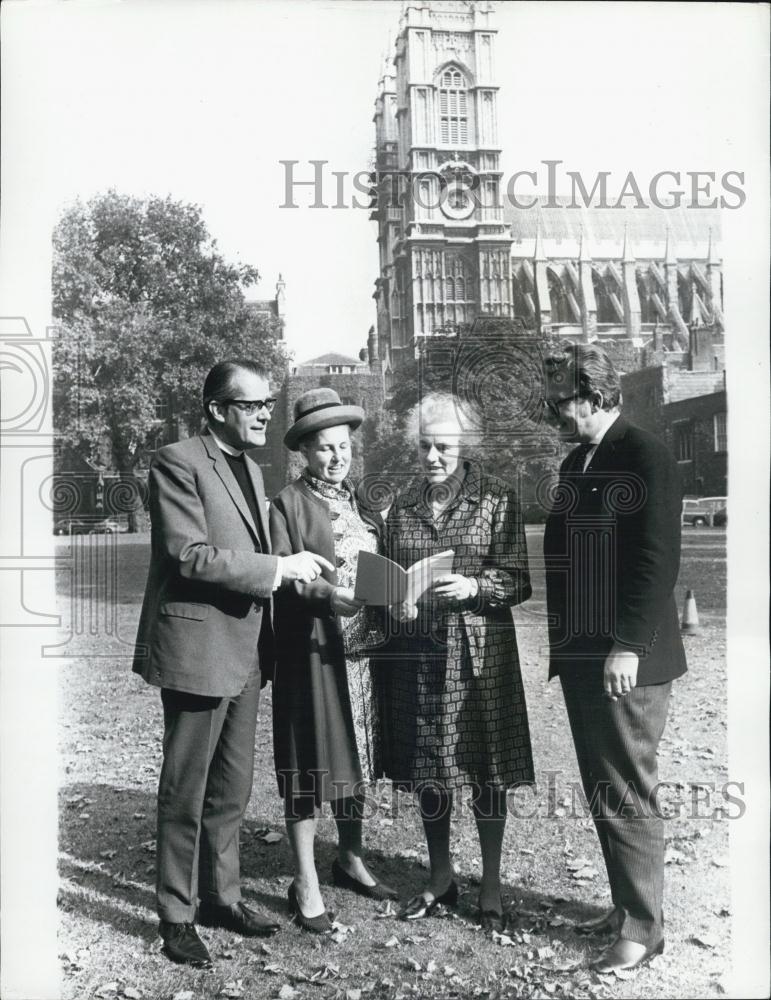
183, 995
131, 993
448, 972
273, 969
106, 990
414, 965
585, 873
325, 973
233, 989
503, 940
148, 845
387, 910
704, 940
143, 816
544, 953
353, 995
287, 992
271, 837
576, 864
107, 855
392, 942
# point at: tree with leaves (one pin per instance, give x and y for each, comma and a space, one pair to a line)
145, 304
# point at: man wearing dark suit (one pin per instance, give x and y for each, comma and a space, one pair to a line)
612, 555
205, 639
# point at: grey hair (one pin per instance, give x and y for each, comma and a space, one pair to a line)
439, 407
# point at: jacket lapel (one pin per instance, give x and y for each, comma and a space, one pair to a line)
259, 494
229, 481
607, 446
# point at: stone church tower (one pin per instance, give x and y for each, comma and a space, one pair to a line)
444, 246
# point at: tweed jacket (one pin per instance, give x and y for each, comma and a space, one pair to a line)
210, 582
612, 555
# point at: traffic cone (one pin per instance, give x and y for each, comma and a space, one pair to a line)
690, 622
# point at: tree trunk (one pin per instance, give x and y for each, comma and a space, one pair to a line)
128, 497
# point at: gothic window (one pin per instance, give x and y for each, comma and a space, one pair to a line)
605, 311
453, 109
161, 408
560, 307
683, 433
648, 312
721, 431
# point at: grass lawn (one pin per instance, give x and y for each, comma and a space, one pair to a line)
110, 741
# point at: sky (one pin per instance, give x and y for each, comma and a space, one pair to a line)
202, 100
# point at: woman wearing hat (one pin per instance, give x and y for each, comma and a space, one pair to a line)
322, 722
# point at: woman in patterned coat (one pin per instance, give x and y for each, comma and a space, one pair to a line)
322, 720
452, 702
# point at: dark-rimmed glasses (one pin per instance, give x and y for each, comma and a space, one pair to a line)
251, 406
553, 405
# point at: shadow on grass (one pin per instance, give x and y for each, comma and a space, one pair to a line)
107, 866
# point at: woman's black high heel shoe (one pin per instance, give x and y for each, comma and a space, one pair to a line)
316, 925
419, 907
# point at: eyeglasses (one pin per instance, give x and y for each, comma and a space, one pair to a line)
553, 405
251, 406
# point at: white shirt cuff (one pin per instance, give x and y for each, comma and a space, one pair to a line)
277, 578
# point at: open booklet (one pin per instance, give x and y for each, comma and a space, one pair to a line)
380, 581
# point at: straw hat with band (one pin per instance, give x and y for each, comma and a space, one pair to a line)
316, 410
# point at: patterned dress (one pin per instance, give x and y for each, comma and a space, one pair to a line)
450, 690
352, 534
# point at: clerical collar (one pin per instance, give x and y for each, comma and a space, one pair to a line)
226, 448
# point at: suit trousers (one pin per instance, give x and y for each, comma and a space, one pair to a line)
616, 743
204, 789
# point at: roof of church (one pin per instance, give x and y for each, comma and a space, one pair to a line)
331, 359
686, 225
262, 305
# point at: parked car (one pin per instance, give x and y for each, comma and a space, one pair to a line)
700, 511
89, 526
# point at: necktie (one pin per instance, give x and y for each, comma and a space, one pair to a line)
581, 453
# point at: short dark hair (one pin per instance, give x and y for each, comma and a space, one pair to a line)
220, 382
585, 369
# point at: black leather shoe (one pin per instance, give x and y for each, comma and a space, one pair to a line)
237, 917
624, 955
322, 924
421, 906
343, 880
608, 923
182, 944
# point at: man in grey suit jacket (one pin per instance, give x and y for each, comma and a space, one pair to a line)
612, 554
205, 639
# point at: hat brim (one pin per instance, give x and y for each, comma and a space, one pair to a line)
333, 417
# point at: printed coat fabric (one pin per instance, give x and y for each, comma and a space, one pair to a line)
450, 691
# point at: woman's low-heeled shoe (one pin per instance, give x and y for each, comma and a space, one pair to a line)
343, 880
316, 925
419, 907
